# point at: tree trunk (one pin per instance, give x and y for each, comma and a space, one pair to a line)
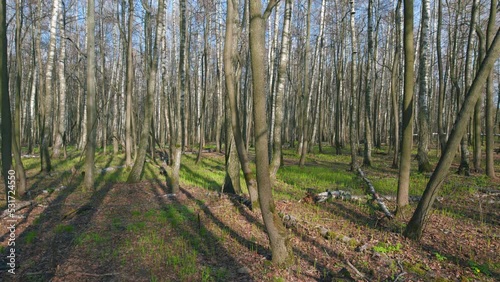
230, 58
423, 97
181, 87
280, 93
281, 252
91, 98
16, 142
440, 114
48, 99
6, 120
367, 156
405, 162
60, 130
414, 228
306, 91
232, 178
152, 60
352, 100
490, 126
395, 84
129, 88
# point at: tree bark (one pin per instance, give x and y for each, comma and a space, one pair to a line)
60, 130
490, 126
230, 59
129, 88
136, 172
414, 228
16, 142
367, 156
91, 98
423, 97
395, 85
405, 161
281, 252
181, 88
352, 100
48, 99
280, 93
5, 114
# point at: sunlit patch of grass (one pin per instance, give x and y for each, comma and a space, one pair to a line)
317, 177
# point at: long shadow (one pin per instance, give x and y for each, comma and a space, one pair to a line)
264, 251
204, 241
40, 260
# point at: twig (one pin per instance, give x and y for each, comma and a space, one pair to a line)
356, 270
98, 275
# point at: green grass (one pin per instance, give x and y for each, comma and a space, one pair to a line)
62, 228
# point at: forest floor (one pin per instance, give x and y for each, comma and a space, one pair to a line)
139, 232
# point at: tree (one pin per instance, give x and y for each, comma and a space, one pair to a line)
306, 90
441, 88
179, 105
395, 84
16, 142
48, 99
490, 140
152, 60
415, 226
230, 59
367, 157
405, 159
128, 87
283, 64
277, 233
423, 97
91, 98
352, 100
61, 128
6, 120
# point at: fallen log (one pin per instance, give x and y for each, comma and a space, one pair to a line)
337, 194
375, 196
19, 206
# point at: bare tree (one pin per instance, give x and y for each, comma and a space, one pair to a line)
179, 105
230, 59
48, 99
5, 114
277, 233
490, 140
353, 129
91, 98
415, 227
129, 87
367, 157
283, 64
60, 130
152, 60
16, 142
423, 97
405, 162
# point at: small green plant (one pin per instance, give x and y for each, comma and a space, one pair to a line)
30, 237
387, 248
62, 228
440, 257
479, 268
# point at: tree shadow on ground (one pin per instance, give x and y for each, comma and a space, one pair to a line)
54, 231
